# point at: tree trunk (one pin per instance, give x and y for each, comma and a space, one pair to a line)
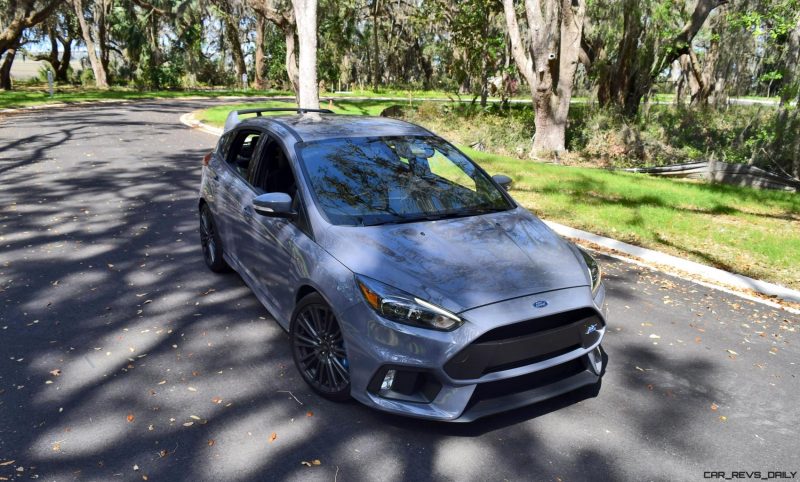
52, 57
291, 61
284, 20
376, 65
260, 64
549, 65
790, 79
62, 72
97, 67
485, 65
103, 8
622, 83
5, 68
305, 12
154, 58
232, 37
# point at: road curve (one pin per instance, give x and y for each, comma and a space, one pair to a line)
122, 357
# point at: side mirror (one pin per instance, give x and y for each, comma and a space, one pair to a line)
503, 180
274, 205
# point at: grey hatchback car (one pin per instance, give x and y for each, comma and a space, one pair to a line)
406, 276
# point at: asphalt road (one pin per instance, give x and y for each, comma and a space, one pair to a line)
123, 358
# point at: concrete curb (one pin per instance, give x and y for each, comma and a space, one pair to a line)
189, 120
708, 276
705, 273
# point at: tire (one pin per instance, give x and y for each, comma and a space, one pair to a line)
211, 242
318, 348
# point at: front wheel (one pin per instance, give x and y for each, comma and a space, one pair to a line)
318, 348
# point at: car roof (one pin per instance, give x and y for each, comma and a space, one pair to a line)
308, 127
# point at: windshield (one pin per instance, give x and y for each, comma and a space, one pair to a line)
380, 180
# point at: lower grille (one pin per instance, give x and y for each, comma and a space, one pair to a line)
503, 388
527, 343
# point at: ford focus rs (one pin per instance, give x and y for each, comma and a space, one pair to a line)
406, 276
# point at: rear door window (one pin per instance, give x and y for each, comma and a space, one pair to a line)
242, 151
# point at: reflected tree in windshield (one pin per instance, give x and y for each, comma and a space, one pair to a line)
382, 180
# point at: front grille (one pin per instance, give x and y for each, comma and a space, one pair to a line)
525, 343
502, 388
536, 325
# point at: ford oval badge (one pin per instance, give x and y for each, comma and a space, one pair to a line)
539, 304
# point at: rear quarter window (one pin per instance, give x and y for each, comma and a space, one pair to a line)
223, 145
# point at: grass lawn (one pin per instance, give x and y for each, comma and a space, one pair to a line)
743, 230
23, 97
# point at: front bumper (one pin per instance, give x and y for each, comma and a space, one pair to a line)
506, 355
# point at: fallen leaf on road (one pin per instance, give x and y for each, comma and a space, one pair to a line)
162, 382
723, 418
655, 337
732, 352
216, 400
192, 389
56, 372
313, 462
188, 424
714, 407
272, 437
7, 462
309, 413
650, 387
131, 417
194, 417
211, 442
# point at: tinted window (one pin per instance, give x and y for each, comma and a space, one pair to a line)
242, 150
366, 181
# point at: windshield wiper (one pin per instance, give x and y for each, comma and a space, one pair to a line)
439, 216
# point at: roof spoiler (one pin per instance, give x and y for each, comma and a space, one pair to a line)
233, 118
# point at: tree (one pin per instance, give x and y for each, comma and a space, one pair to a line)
22, 14
61, 29
650, 42
305, 12
282, 16
99, 63
554, 30
231, 14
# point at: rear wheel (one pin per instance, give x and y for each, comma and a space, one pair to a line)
211, 242
318, 348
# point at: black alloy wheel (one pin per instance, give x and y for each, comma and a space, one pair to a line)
210, 241
318, 348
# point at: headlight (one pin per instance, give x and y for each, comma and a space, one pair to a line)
402, 307
594, 270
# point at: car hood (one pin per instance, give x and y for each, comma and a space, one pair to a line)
461, 263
